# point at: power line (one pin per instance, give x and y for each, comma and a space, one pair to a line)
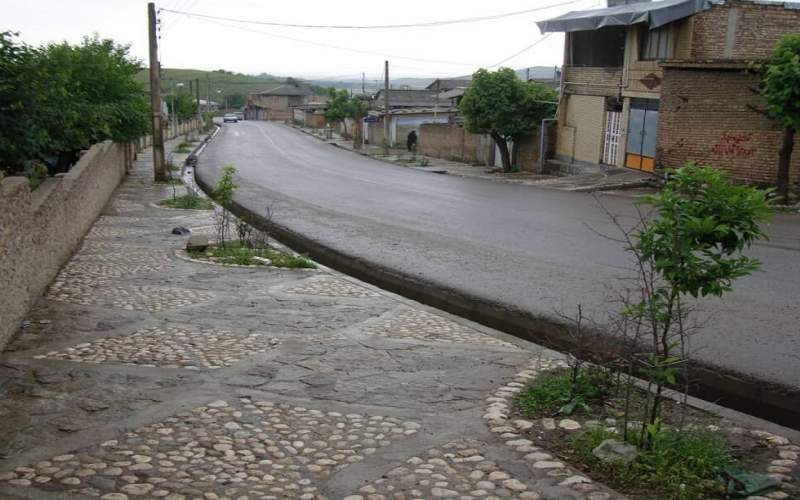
428, 24
534, 44
338, 47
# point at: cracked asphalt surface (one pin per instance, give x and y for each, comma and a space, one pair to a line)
528, 248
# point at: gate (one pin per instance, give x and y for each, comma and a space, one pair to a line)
642, 128
611, 142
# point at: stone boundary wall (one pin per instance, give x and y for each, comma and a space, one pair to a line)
41, 229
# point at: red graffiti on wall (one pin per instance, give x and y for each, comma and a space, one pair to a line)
734, 144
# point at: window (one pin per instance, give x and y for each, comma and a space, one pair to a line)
656, 43
603, 48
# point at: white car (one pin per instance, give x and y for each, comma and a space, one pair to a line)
230, 117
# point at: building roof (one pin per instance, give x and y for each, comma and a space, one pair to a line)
453, 93
407, 98
655, 14
417, 111
286, 89
449, 83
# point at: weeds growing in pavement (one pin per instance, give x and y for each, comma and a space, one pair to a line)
188, 202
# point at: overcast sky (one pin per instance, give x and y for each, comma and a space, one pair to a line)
203, 44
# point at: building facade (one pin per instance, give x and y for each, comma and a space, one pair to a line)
656, 84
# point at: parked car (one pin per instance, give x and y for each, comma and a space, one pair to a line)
240, 116
230, 117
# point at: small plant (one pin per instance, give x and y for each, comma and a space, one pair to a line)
563, 392
223, 195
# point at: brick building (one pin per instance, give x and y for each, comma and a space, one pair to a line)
276, 103
656, 84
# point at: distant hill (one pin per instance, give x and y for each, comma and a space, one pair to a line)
228, 82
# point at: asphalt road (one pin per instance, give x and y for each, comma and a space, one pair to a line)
531, 248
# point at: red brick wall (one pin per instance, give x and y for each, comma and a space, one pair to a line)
704, 115
758, 29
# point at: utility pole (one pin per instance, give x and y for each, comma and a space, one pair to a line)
363, 85
208, 94
197, 90
159, 170
386, 138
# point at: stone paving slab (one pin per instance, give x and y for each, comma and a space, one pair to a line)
142, 375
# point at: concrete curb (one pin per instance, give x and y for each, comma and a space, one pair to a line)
773, 402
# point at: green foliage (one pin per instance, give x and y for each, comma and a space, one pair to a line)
677, 465
223, 191
499, 103
704, 223
554, 392
61, 98
236, 101
182, 104
341, 106
187, 202
242, 254
781, 88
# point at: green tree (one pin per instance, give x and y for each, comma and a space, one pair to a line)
781, 91
692, 248
61, 98
503, 106
21, 136
337, 107
236, 101
183, 105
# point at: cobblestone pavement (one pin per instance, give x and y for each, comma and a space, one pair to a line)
143, 375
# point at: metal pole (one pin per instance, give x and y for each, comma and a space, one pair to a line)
159, 170
386, 138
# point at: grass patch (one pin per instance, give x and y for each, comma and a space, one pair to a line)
237, 253
679, 465
549, 394
188, 202
174, 181
184, 147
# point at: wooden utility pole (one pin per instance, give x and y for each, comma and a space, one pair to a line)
159, 169
386, 138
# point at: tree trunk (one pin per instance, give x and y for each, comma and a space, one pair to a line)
784, 163
502, 144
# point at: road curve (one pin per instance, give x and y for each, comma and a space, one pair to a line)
533, 249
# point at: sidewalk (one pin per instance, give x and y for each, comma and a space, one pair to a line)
617, 179
144, 375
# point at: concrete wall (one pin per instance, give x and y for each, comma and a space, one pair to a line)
40, 230
580, 132
453, 142
708, 116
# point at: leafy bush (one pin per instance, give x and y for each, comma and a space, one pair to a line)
58, 99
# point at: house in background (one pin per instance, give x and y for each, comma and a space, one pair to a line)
408, 110
656, 84
277, 102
